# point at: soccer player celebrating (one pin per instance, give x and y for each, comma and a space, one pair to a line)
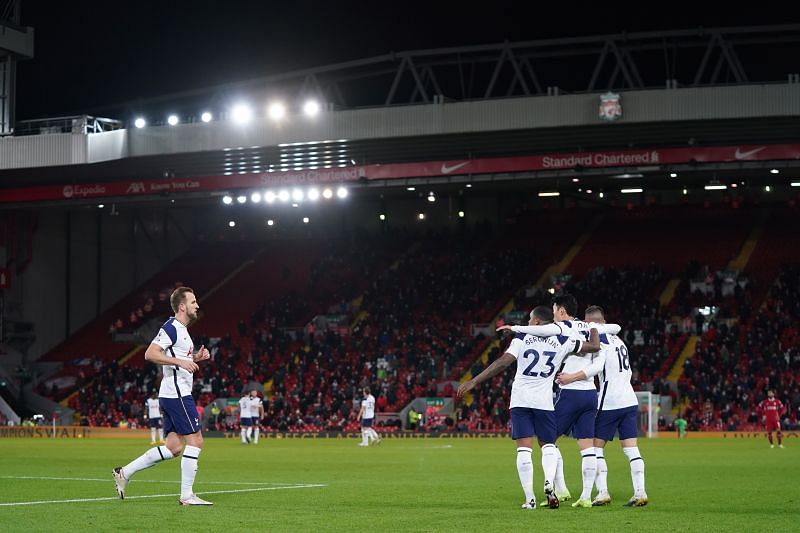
618, 410
532, 411
366, 414
576, 404
174, 351
771, 410
154, 418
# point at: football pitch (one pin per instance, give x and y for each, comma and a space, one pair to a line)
400, 485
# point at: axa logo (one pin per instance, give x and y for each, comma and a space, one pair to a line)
135, 188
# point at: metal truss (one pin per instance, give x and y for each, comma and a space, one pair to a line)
628, 61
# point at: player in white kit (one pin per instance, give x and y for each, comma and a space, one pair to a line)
256, 414
617, 411
532, 411
245, 420
576, 403
174, 351
153, 410
367, 414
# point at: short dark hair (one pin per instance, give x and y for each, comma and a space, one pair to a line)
568, 302
592, 309
543, 313
366, 390
178, 296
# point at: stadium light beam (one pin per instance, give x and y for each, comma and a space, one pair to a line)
715, 187
298, 195
269, 197
631, 191
227, 200
241, 199
341, 192
255, 197
311, 108
276, 111
283, 195
206, 116
549, 193
173, 120
140, 123
313, 194
242, 113
327, 194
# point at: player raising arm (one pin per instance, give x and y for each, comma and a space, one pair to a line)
532, 411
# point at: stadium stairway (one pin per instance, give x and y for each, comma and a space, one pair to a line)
688, 351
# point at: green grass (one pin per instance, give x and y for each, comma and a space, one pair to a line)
410, 485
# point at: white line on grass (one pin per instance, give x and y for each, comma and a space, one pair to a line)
81, 500
106, 480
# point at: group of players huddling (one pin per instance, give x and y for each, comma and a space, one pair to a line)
587, 348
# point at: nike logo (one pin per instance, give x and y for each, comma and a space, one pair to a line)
745, 155
448, 170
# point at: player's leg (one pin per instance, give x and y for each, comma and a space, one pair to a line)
243, 421
601, 480
545, 426
584, 432
256, 430
769, 437
250, 430
628, 431
375, 437
189, 427
152, 434
565, 419
123, 474
161, 431
522, 432
779, 433
364, 433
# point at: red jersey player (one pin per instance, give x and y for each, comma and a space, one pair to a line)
771, 410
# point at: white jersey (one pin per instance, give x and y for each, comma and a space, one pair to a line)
174, 338
616, 391
153, 408
538, 360
579, 330
244, 407
368, 404
255, 403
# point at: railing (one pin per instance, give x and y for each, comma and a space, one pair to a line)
78, 124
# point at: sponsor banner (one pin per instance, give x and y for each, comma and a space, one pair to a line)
71, 432
565, 161
724, 434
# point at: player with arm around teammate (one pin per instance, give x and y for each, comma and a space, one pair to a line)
617, 411
576, 403
532, 411
174, 351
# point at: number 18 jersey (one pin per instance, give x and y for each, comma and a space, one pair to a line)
616, 391
538, 360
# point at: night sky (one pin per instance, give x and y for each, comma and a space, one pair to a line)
91, 54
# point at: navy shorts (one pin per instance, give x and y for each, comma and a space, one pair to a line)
245, 421
575, 413
625, 420
180, 415
366, 422
155, 422
527, 422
